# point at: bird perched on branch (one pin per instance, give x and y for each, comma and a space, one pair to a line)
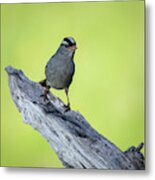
60, 68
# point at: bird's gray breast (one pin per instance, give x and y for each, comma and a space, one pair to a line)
59, 72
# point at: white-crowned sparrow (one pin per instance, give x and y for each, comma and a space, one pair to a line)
60, 68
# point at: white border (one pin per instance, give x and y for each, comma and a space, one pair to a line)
31, 1
149, 173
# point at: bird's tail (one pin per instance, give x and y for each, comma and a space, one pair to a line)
43, 83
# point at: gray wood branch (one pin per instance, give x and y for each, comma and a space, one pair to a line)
75, 142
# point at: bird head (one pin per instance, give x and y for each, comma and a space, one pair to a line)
69, 43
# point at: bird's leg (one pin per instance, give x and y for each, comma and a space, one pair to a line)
68, 102
46, 87
44, 95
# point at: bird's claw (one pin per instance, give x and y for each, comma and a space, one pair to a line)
66, 108
45, 95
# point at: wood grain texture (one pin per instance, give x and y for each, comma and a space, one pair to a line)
69, 134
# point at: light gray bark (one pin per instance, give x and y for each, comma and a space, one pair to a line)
75, 142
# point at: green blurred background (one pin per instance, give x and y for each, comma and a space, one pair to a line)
108, 86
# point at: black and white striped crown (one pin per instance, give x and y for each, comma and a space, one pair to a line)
68, 41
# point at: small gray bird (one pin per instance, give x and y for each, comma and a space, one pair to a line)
60, 68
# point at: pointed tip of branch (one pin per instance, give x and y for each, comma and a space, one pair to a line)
139, 147
9, 69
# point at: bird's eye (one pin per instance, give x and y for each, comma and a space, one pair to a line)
67, 46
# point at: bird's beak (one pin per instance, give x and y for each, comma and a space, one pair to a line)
73, 48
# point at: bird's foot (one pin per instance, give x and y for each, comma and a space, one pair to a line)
44, 95
66, 107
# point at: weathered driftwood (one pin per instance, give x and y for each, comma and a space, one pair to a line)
75, 142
